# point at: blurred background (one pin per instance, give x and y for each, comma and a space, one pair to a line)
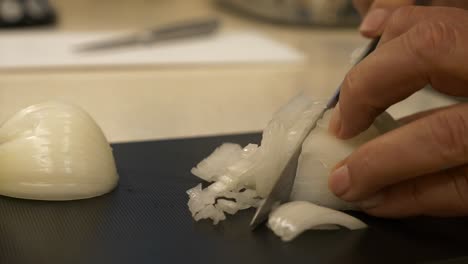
171, 68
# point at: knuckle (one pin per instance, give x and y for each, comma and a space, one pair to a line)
398, 20
349, 86
431, 39
461, 186
448, 130
416, 192
459, 180
363, 166
366, 99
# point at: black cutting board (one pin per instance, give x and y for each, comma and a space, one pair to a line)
146, 220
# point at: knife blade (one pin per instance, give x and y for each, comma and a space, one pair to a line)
282, 188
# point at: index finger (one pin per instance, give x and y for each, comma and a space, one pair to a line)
388, 75
428, 52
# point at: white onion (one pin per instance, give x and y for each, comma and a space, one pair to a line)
291, 219
320, 153
54, 151
232, 168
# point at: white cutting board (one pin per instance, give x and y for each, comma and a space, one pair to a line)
54, 49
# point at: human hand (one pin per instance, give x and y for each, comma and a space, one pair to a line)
421, 167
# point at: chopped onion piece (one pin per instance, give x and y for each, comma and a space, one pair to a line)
211, 212
227, 206
246, 175
216, 164
291, 219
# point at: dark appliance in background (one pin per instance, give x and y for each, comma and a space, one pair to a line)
26, 13
329, 13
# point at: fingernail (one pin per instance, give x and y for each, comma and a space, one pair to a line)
340, 181
374, 21
372, 202
335, 122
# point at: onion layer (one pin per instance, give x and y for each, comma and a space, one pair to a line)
291, 219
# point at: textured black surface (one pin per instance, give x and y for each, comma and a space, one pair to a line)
145, 220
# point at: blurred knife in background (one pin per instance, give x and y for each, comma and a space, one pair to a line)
181, 30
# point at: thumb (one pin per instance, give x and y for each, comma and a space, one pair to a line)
375, 20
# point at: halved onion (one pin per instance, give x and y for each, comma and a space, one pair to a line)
54, 151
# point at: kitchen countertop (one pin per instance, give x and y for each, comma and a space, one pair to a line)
144, 103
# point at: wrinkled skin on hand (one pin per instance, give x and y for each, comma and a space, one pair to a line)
420, 168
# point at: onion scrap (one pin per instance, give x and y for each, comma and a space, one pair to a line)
246, 175
291, 219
